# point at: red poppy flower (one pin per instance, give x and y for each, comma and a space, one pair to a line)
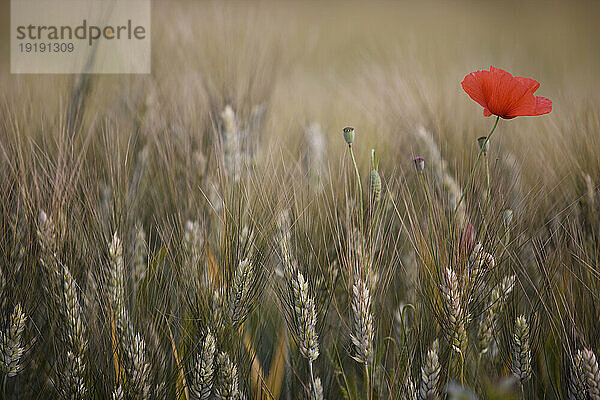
504, 95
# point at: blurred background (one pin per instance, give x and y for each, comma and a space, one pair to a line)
271, 84
384, 67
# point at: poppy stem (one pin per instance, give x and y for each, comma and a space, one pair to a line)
360, 195
488, 197
464, 192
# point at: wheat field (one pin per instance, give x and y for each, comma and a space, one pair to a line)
206, 232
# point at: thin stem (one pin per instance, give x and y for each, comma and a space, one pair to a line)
430, 215
487, 180
462, 369
483, 227
312, 379
373, 227
522, 390
4, 386
360, 194
506, 240
462, 196
367, 381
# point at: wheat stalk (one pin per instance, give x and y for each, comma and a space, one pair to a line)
133, 345
140, 257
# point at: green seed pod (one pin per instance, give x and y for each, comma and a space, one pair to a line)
376, 185
349, 134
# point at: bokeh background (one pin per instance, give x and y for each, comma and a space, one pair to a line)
149, 153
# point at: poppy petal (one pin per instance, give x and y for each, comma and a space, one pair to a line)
472, 85
542, 105
510, 96
531, 84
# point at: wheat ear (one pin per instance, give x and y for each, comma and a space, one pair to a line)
226, 387
430, 373
201, 383
577, 384
363, 331
521, 355
75, 335
455, 313
240, 291
11, 349
592, 373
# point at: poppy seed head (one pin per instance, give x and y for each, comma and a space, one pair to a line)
349, 134
419, 164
